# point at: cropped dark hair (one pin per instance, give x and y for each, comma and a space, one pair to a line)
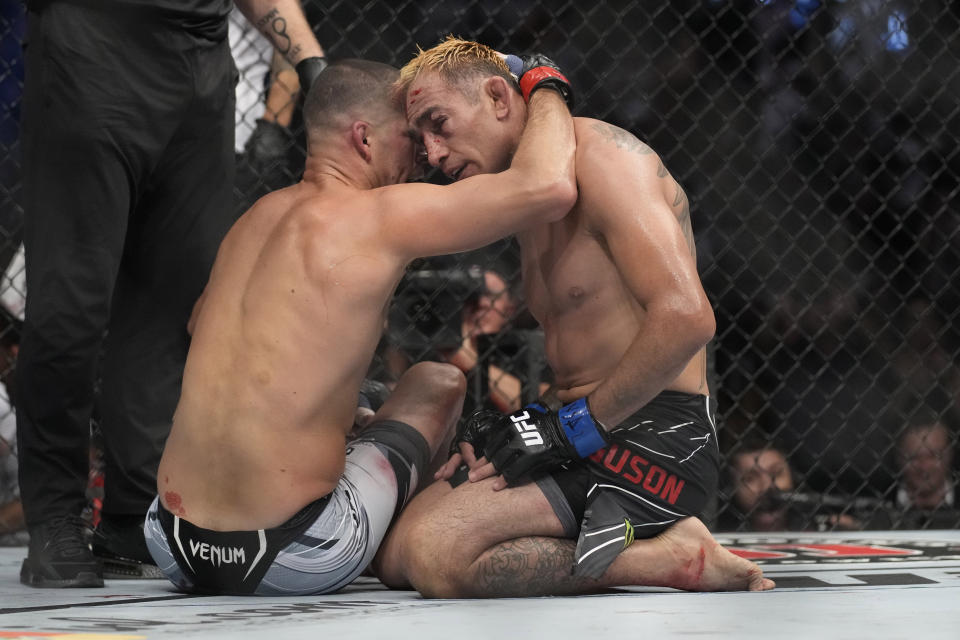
350, 88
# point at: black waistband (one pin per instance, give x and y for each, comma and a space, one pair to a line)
231, 562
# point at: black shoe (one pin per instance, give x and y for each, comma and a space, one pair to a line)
119, 544
58, 556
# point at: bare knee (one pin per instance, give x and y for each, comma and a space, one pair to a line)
437, 377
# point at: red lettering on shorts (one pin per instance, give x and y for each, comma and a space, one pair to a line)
672, 488
655, 479
637, 474
638, 471
615, 467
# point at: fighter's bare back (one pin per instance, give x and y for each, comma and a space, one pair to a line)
261, 426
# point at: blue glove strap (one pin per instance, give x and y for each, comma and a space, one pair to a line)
582, 430
536, 406
515, 64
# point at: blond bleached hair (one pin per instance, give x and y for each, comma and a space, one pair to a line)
457, 61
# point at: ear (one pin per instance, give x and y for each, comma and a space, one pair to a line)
502, 94
358, 137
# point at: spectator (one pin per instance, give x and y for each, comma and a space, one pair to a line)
759, 472
487, 313
127, 142
765, 496
927, 483
464, 315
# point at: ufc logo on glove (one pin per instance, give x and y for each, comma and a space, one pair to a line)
526, 430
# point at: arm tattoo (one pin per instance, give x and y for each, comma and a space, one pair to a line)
623, 139
262, 22
626, 140
278, 28
530, 567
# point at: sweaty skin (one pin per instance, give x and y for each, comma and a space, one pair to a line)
296, 303
289, 323
614, 283
615, 288
603, 280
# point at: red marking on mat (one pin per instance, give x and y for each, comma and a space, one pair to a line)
753, 554
174, 503
843, 550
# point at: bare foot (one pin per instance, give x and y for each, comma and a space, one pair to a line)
702, 564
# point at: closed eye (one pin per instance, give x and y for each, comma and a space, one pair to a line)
436, 124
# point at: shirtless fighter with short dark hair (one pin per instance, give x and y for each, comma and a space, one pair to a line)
627, 457
260, 491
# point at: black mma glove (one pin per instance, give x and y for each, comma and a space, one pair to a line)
307, 71
266, 152
372, 394
532, 441
534, 71
475, 430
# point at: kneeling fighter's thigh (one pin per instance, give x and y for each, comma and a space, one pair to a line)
473, 517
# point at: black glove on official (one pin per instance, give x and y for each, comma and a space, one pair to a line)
534, 71
533, 441
266, 153
307, 71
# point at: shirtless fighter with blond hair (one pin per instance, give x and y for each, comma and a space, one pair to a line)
606, 482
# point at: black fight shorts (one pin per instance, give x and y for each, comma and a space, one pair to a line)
662, 464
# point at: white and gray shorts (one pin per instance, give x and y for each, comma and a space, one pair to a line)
321, 549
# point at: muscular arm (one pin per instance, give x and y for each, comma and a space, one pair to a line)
283, 23
642, 218
539, 187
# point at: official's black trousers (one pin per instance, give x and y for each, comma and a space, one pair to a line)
128, 169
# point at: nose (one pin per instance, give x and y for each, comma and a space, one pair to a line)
435, 149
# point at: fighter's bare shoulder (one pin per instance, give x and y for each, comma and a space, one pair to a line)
606, 145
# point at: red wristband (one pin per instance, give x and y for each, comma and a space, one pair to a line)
532, 78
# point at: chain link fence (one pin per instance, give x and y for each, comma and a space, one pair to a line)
817, 142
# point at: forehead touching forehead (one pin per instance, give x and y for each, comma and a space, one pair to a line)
460, 64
